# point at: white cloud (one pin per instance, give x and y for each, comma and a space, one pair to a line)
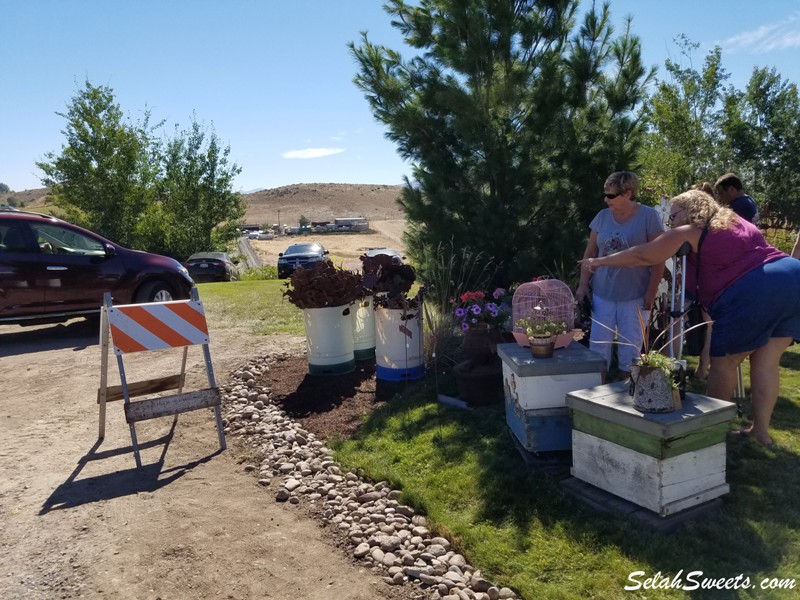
767, 38
312, 152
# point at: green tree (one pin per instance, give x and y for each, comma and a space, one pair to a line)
195, 207
119, 179
511, 117
303, 221
684, 142
4, 189
762, 128
104, 174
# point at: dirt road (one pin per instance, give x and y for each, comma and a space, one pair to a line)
78, 520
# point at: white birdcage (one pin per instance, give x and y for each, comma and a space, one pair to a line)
543, 299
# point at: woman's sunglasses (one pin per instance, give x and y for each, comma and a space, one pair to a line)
675, 214
611, 196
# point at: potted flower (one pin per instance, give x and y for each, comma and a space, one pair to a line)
657, 380
481, 317
542, 331
398, 318
325, 293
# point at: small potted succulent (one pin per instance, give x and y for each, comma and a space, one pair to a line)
657, 380
542, 332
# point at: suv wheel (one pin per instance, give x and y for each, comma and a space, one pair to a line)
154, 291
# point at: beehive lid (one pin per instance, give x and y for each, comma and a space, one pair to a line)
613, 403
575, 358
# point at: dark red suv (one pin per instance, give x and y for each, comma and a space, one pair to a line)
51, 270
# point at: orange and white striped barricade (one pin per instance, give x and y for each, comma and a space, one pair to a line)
155, 326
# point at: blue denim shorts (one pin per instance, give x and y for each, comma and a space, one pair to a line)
763, 304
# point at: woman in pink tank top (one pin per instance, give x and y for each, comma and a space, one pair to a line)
750, 289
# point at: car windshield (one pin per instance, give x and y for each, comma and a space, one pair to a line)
386, 251
304, 249
208, 256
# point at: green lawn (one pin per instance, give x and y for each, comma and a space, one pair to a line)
257, 305
520, 528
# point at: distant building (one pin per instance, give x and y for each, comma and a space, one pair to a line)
354, 223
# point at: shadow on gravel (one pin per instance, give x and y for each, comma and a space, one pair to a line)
76, 335
75, 492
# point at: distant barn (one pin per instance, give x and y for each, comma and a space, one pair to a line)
354, 223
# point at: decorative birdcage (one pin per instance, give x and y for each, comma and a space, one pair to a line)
544, 299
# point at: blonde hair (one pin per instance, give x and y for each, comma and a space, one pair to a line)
623, 181
702, 209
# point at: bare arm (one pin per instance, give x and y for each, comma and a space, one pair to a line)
656, 275
651, 253
795, 250
592, 250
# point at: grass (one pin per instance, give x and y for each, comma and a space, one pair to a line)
258, 306
517, 525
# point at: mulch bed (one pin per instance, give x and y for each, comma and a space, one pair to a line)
330, 406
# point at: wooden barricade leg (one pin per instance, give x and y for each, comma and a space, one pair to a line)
213, 384
127, 400
104, 349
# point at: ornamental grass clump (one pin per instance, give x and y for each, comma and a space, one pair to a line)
323, 285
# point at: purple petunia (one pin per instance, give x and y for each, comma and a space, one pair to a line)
464, 326
498, 293
461, 312
476, 310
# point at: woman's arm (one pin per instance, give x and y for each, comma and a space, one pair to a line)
592, 250
645, 255
656, 275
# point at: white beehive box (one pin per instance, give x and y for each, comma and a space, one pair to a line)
664, 462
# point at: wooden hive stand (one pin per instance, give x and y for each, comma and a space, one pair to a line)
155, 326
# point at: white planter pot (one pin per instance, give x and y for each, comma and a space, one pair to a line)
364, 329
398, 344
329, 338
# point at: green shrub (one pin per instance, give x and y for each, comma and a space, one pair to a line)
260, 273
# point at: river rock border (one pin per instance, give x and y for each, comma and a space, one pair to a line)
380, 532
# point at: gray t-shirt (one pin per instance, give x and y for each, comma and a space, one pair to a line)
623, 283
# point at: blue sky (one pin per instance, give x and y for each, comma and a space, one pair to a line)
274, 77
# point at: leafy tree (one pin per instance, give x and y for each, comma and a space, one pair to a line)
103, 176
684, 143
195, 206
700, 129
303, 221
762, 127
4, 189
117, 178
512, 118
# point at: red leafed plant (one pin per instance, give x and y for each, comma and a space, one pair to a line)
322, 285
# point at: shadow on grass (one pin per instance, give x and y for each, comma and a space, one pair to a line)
755, 530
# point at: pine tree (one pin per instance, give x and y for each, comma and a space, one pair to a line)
512, 119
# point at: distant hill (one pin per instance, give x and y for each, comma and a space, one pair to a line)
323, 202
316, 201
32, 199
